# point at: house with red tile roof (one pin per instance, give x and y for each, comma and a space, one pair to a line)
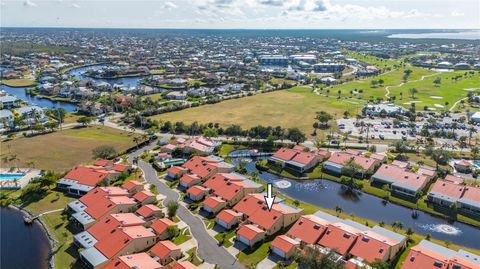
250, 235
149, 212
184, 265
81, 179
92, 196
175, 172
323, 154
400, 179
428, 255
295, 159
371, 246
189, 180
104, 226
228, 218
213, 204
111, 165
250, 204
308, 229
197, 193
470, 201
339, 237
103, 206
284, 246
463, 166
165, 252
120, 241
281, 216
160, 227
133, 261
337, 160
205, 167
145, 197
445, 193
454, 179
133, 186
200, 145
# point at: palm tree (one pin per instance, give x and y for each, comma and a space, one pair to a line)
14, 158
471, 131
339, 210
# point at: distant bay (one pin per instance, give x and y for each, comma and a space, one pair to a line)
469, 35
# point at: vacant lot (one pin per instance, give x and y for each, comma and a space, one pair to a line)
20, 82
295, 107
62, 150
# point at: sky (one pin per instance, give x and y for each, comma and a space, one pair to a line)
243, 14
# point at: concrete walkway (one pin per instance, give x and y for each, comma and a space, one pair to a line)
208, 248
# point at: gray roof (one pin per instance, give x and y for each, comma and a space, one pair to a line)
5, 113
83, 218
327, 217
356, 225
387, 233
406, 186
443, 196
85, 239
93, 256
437, 248
469, 256
8, 98
28, 109
469, 202
77, 206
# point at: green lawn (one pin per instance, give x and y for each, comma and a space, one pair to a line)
193, 257
62, 150
295, 107
20, 82
227, 243
182, 237
251, 257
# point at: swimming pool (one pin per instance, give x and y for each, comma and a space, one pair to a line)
11, 176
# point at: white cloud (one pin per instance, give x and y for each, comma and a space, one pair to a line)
457, 14
74, 5
169, 5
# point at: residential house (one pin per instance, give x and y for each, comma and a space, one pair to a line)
165, 252
8, 102
340, 237
213, 204
104, 226
228, 218
250, 235
149, 212
133, 261
428, 255
470, 201
6, 119
401, 180
83, 179
175, 172
120, 241
145, 197
295, 159
308, 229
284, 246
184, 265
197, 193
189, 180
445, 193
133, 186
160, 227
92, 196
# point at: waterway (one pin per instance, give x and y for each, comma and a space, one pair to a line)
329, 194
76, 73
21, 246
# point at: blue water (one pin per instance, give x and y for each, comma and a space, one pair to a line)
11, 176
329, 194
80, 74
41, 102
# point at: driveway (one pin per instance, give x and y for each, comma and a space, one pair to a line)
208, 248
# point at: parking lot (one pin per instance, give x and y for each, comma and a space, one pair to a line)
384, 129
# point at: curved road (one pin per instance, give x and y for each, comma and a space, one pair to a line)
208, 248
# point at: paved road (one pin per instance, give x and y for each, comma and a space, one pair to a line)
208, 248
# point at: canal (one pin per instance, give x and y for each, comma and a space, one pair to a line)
79, 73
329, 194
21, 246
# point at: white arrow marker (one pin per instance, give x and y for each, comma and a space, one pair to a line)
269, 199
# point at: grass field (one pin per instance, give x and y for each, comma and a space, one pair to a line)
60, 151
295, 107
20, 82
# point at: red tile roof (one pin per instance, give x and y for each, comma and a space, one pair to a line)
448, 188
371, 246
184, 265
175, 170
284, 243
160, 226
148, 210
212, 201
249, 231
420, 257
402, 175
340, 237
92, 196
304, 157
228, 215
285, 154
340, 158
143, 195
266, 219
133, 261
196, 190
472, 193
108, 223
119, 238
365, 162
104, 205
163, 248
86, 176
308, 228
249, 204
131, 184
